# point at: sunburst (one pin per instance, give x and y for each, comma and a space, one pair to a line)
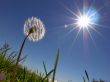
85, 20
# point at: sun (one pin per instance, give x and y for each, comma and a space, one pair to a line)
86, 20
83, 21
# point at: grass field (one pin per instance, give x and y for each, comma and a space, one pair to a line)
7, 63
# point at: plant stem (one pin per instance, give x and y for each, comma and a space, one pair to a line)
18, 58
21, 49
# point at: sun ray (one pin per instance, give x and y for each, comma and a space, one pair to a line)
86, 20
70, 31
102, 26
97, 31
79, 30
91, 37
69, 10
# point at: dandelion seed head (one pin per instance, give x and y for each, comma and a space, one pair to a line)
35, 27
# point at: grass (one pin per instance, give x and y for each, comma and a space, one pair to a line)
8, 61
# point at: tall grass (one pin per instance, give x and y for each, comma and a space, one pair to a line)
8, 61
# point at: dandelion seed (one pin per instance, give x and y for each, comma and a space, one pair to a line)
35, 27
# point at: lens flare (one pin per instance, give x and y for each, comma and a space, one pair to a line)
86, 20
83, 21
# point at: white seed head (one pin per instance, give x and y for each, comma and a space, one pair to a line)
37, 29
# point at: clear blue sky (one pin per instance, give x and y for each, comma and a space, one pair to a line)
74, 57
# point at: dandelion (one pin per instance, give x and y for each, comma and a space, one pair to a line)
35, 27
35, 31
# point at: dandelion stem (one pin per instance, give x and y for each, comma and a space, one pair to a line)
21, 49
18, 58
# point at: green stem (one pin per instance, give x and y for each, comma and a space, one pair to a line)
21, 49
18, 58
55, 66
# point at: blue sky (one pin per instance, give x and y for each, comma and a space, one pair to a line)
76, 56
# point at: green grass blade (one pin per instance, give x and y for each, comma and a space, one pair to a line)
55, 66
87, 75
47, 75
45, 69
24, 73
84, 79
